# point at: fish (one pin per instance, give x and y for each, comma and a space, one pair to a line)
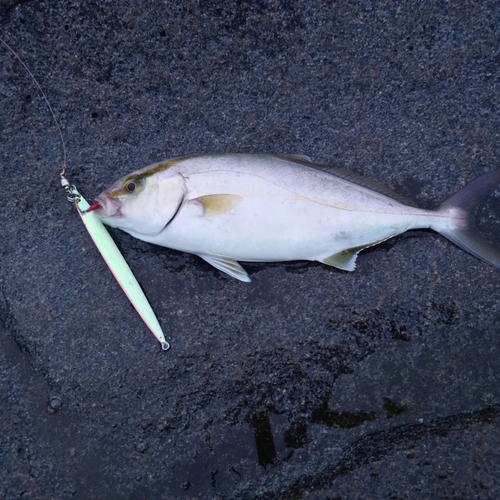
233, 207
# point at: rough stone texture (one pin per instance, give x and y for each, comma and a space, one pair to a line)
308, 382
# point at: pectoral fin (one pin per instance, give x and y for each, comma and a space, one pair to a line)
218, 204
227, 265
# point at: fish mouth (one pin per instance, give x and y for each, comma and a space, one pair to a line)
107, 206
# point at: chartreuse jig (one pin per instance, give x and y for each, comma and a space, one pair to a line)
103, 241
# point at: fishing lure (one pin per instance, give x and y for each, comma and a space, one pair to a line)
103, 241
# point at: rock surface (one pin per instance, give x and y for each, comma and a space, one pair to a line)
308, 382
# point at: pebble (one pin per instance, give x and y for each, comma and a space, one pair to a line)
141, 447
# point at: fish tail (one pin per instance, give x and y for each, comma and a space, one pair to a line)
460, 210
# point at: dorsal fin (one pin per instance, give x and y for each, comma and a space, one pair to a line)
347, 175
292, 157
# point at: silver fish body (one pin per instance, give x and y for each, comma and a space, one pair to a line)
267, 208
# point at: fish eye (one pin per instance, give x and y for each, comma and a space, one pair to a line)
131, 185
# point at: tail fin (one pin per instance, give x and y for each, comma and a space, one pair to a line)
466, 202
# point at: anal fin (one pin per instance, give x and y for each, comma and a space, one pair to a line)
227, 265
345, 259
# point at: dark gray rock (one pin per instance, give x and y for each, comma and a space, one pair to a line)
308, 382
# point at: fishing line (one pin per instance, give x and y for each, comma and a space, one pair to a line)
8, 47
103, 241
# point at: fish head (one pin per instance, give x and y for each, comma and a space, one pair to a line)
144, 201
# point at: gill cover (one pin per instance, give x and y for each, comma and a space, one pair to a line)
143, 204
